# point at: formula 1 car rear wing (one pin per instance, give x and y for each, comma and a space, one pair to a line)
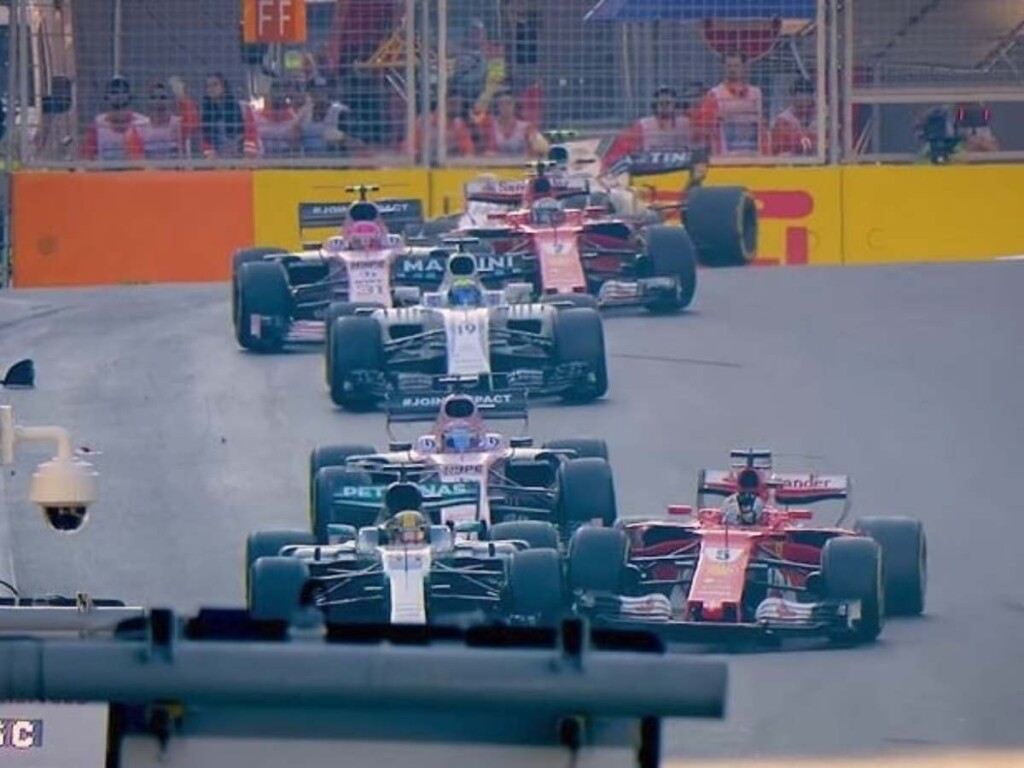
789, 487
511, 192
319, 220
492, 404
655, 162
222, 689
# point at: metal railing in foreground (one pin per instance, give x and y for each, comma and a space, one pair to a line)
220, 689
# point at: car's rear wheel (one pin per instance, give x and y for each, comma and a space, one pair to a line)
905, 559
723, 224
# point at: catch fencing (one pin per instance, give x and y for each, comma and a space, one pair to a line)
339, 83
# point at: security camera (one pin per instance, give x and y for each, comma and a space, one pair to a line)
65, 487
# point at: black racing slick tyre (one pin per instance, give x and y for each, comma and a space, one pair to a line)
579, 338
536, 585
244, 256
276, 588
851, 569
332, 456
582, 447
357, 346
335, 310
536, 533
269, 544
263, 309
905, 561
669, 252
597, 560
723, 224
586, 493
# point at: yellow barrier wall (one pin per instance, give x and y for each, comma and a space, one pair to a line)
799, 209
850, 215
894, 214
277, 195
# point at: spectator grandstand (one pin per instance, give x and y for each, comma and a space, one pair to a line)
359, 83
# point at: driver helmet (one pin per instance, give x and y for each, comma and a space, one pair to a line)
748, 504
462, 438
464, 292
408, 527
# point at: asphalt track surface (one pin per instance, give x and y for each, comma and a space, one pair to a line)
907, 378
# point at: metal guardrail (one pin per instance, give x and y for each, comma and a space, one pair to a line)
223, 688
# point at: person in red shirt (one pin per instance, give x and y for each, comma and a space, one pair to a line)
115, 134
666, 129
730, 118
794, 130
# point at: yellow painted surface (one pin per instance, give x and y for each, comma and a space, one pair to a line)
797, 206
277, 195
894, 214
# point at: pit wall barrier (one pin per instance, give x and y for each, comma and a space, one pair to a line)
108, 228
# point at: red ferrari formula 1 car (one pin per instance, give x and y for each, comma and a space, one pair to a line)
753, 568
541, 230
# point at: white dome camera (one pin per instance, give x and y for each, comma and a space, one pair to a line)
64, 487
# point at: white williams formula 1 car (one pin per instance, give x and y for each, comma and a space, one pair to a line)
466, 330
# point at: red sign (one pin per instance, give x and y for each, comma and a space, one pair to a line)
274, 21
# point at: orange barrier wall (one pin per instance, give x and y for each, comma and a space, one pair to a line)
170, 226
128, 227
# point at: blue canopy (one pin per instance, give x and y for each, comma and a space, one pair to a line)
688, 10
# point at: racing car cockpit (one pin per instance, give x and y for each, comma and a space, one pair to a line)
465, 293
366, 235
460, 428
547, 212
407, 528
747, 505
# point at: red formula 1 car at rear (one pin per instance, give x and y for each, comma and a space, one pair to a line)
753, 568
539, 231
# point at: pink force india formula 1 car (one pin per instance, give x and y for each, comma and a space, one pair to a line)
714, 579
280, 296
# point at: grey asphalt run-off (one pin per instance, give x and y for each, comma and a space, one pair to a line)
908, 378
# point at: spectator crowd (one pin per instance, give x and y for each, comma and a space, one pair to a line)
311, 115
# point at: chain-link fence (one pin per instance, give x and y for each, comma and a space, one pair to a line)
939, 78
743, 79
197, 83
141, 82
